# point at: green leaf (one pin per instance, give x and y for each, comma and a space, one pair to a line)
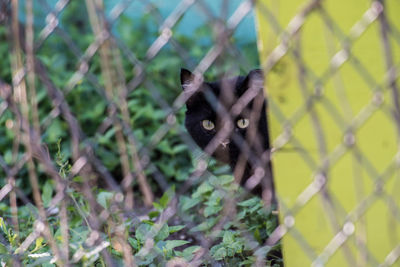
257, 235
134, 243
165, 147
43, 261
3, 225
167, 196
171, 244
236, 247
188, 252
203, 189
176, 228
144, 258
228, 237
3, 250
214, 199
262, 251
219, 253
248, 262
179, 148
188, 203
210, 222
55, 131
225, 179
211, 210
149, 222
104, 198
249, 202
106, 138
154, 214
163, 233
38, 244
78, 179
255, 207
141, 232
47, 193
157, 206
271, 225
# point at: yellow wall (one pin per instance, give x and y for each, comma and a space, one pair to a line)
320, 96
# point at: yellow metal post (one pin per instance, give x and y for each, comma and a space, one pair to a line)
332, 82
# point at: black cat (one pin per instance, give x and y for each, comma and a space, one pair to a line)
227, 119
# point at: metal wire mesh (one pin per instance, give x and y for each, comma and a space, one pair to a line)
324, 156
105, 116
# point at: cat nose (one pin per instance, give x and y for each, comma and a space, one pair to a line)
225, 143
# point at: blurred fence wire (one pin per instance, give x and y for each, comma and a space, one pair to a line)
91, 114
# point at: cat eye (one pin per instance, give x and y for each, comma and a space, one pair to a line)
243, 123
208, 125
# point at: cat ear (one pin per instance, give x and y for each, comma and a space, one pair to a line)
255, 79
187, 78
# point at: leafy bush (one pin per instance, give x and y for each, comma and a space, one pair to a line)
200, 214
155, 242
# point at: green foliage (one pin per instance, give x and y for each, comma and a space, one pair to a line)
206, 206
152, 242
5, 70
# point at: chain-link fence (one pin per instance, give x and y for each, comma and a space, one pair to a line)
332, 75
109, 110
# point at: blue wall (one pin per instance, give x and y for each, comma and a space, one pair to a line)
191, 20
194, 17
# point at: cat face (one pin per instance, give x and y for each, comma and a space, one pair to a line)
226, 105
